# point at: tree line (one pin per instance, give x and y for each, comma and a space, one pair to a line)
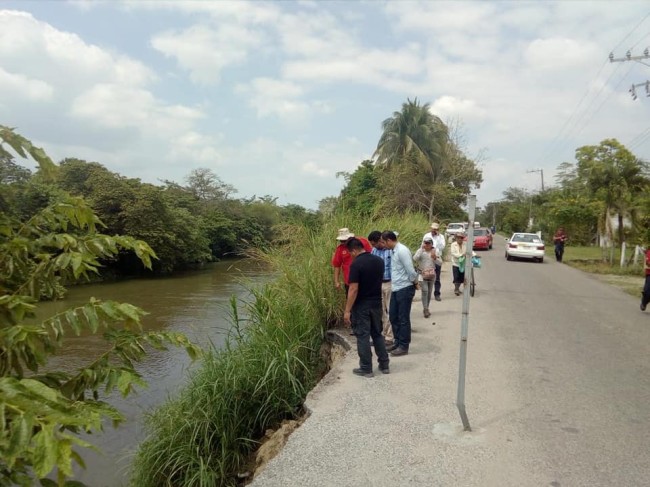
185, 224
602, 198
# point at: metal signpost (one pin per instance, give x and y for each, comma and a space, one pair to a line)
464, 323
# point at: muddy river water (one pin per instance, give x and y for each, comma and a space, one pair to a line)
195, 303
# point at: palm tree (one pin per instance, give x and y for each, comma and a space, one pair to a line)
414, 131
616, 176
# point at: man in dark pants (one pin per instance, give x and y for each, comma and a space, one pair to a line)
363, 307
404, 281
559, 239
645, 299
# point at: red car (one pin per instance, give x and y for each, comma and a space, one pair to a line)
482, 239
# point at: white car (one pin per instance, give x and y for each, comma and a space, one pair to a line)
454, 228
525, 246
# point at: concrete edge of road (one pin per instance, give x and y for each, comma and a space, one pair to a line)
340, 347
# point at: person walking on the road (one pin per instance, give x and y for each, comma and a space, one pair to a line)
404, 284
363, 307
439, 246
341, 260
458, 251
645, 299
559, 239
425, 258
380, 250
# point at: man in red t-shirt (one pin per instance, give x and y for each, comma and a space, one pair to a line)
342, 258
645, 299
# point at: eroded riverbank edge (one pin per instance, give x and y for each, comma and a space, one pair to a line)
334, 348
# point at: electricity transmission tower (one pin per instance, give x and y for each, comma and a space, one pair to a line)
639, 59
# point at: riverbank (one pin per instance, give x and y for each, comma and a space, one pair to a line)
272, 359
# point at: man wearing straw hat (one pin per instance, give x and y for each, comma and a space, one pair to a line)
342, 260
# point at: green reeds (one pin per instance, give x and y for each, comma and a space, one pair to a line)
205, 435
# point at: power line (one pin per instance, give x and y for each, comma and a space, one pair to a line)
640, 39
551, 147
640, 140
638, 137
595, 112
563, 135
631, 32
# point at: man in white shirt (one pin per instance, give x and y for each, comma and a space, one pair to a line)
439, 245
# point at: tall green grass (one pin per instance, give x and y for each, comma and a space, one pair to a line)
205, 435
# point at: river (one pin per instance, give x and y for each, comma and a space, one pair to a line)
195, 303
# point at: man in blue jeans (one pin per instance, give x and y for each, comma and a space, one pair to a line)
363, 309
404, 282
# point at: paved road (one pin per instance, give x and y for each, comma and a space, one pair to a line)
558, 393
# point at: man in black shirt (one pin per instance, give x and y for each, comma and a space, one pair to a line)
363, 307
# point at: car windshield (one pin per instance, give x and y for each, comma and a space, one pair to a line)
525, 237
455, 226
480, 231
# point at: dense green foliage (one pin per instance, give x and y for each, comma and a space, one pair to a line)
419, 166
601, 198
186, 225
206, 434
41, 410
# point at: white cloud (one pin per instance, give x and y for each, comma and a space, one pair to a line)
61, 57
237, 11
196, 147
560, 54
118, 106
99, 102
19, 85
205, 50
282, 98
447, 107
313, 168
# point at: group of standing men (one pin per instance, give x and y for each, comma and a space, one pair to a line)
380, 281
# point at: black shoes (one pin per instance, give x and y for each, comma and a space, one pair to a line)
385, 371
362, 373
437, 298
391, 348
643, 306
399, 351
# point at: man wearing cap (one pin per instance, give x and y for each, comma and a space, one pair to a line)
439, 246
341, 260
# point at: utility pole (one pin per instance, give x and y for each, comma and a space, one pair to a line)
464, 322
639, 59
541, 171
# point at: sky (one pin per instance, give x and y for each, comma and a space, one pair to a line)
276, 98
